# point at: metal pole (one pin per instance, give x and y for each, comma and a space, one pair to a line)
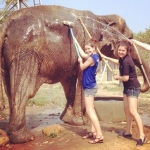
40, 2
34, 2
18, 5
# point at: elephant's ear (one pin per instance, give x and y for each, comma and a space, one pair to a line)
111, 23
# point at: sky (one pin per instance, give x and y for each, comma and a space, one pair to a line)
134, 12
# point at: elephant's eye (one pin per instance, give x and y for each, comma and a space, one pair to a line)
101, 37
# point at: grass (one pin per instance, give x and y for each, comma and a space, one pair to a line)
46, 95
112, 87
53, 135
49, 95
54, 94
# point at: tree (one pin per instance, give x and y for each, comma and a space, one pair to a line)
143, 36
13, 3
10, 6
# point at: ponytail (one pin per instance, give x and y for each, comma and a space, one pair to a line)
92, 42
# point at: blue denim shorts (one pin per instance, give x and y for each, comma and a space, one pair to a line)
91, 92
134, 92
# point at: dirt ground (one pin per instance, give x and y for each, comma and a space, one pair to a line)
71, 139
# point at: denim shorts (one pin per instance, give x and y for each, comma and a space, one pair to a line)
134, 92
91, 92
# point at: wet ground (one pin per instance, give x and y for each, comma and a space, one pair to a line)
71, 139
38, 118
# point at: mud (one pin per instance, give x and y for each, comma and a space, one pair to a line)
39, 117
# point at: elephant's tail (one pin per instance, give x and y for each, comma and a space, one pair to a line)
2, 38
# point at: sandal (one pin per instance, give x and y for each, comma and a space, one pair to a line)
89, 135
96, 140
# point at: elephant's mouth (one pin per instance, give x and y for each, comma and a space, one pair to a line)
107, 48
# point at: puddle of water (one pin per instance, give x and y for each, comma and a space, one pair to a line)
42, 118
38, 117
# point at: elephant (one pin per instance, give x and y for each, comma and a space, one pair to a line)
36, 48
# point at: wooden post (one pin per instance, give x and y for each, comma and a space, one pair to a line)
109, 73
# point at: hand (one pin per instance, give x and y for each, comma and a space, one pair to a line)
131, 41
80, 60
103, 56
116, 77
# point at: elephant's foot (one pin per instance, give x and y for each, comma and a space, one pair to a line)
21, 136
77, 120
67, 115
71, 118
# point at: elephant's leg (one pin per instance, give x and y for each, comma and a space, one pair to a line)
6, 81
69, 86
78, 107
23, 74
2, 105
72, 113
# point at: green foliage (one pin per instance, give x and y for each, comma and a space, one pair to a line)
9, 6
143, 36
53, 135
49, 95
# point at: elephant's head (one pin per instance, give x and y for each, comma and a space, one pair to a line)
110, 30
109, 39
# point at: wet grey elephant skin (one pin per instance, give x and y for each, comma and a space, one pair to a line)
36, 48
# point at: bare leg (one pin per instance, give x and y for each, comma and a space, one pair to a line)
128, 115
133, 110
89, 104
93, 128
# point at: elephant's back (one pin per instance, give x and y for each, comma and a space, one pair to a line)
27, 23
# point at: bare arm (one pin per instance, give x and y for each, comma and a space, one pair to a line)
116, 61
143, 45
82, 53
86, 64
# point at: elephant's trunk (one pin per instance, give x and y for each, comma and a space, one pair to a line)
145, 72
144, 88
